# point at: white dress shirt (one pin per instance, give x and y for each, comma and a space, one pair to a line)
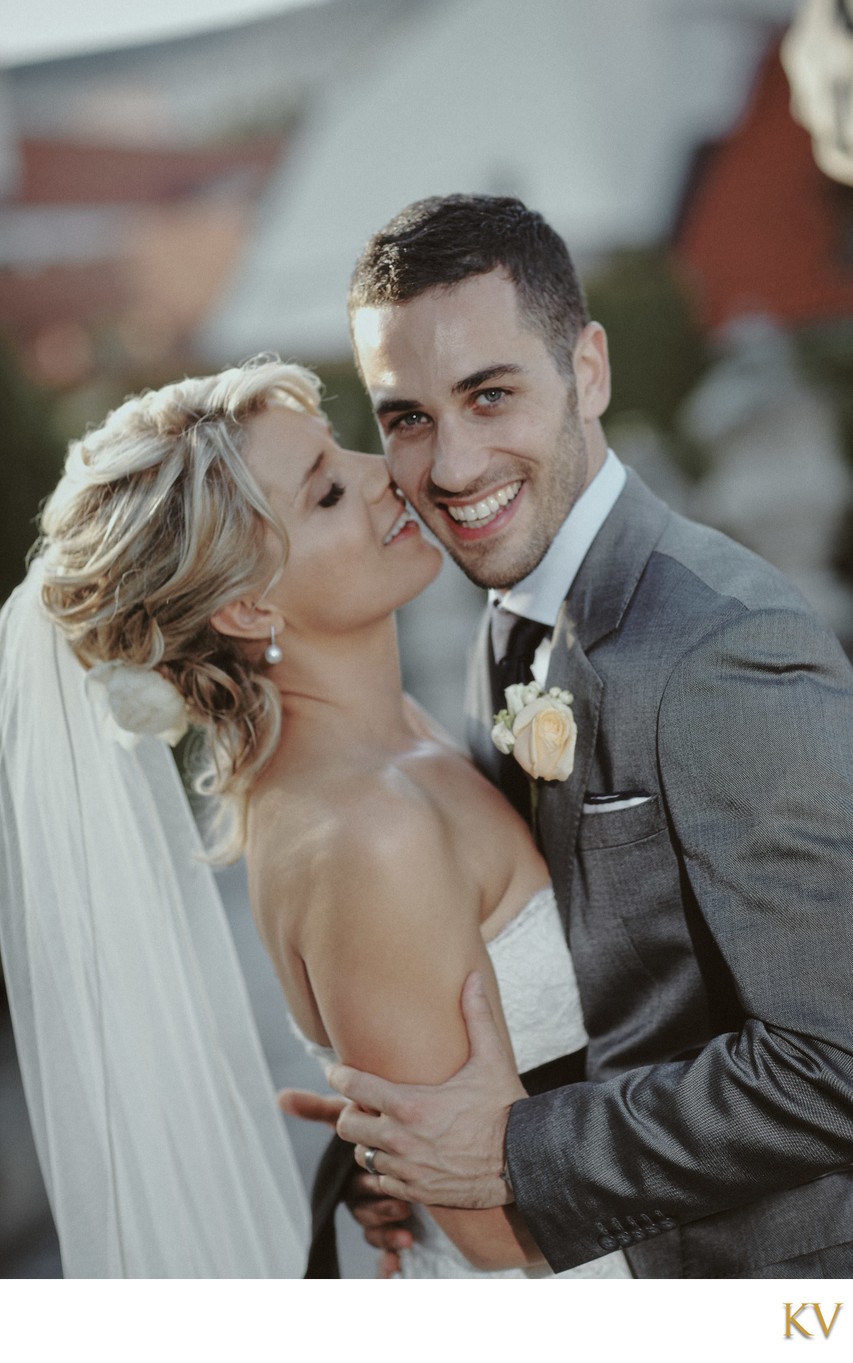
540, 595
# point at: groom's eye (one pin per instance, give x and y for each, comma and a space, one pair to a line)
489, 397
333, 496
408, 421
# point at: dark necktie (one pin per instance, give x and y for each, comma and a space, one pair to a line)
515, 666
524, 639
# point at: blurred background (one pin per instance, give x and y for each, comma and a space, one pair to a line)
182, 189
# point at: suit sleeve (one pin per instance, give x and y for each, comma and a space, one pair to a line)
755, 750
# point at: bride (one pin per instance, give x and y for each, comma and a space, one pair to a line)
213, 556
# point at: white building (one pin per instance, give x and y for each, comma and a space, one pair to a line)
589, 111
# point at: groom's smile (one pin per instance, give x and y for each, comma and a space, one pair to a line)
482, 431
488, 511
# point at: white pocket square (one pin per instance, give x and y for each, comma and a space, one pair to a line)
607, 804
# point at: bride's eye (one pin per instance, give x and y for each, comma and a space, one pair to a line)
333, 496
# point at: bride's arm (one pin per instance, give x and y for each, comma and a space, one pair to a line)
393, 933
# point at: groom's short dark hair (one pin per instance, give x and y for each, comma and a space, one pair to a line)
440, 241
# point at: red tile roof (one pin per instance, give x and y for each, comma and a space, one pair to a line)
761, 227
56, 172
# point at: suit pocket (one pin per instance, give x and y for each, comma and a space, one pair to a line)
620, 827
634, 956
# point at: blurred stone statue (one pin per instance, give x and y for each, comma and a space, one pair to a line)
778, 483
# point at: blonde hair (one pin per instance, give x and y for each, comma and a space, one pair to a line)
155, 525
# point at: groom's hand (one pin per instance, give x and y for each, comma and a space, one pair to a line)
310, 1106
384, 1219
441, 1144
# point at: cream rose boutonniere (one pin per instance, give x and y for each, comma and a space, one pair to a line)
539, 729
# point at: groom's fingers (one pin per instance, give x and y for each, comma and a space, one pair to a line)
370, 1206
368, 1091
483, 1034
368, 1130
311, 1107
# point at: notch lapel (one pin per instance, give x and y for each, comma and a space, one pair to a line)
560, 802
593, 608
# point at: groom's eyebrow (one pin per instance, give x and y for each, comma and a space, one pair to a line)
391, 405
494, 371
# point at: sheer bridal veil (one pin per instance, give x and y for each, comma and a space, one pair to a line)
154, 1115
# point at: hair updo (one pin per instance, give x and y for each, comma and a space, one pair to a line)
155, 525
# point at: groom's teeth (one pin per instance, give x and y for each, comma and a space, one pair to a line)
480, 513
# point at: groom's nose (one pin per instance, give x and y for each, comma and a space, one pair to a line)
460, 457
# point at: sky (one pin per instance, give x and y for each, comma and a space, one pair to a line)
31, 30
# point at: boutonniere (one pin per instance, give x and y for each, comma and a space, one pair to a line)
538, 728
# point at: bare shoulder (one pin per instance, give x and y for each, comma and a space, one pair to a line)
384, 834
426, 726
331, 840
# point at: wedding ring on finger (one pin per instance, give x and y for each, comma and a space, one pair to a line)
369, 1157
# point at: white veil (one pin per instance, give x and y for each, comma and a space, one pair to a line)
154, 1115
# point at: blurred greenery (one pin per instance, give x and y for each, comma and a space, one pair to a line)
658, 351
826, 357
348, 408
32, 459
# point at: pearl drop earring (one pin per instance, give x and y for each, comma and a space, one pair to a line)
272, 652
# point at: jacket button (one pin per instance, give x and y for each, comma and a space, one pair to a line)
621, 1234
665, 1222
637, 1233
606, 1241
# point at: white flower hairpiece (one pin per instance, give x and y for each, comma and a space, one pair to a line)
538, 728
135, 701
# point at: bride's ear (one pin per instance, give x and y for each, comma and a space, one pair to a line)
245, 619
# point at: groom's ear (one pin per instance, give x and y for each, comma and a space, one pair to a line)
245, 619
592, 372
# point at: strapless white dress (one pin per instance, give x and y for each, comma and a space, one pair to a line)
542, 1007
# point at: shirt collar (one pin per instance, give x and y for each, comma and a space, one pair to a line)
540, 595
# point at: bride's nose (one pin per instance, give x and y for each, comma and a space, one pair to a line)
375, 478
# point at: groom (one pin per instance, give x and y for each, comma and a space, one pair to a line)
701, 846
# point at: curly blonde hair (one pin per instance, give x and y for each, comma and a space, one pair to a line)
155, 525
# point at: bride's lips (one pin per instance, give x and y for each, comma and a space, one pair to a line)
485, 515
403, 526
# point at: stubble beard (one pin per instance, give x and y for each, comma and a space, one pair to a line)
557, 491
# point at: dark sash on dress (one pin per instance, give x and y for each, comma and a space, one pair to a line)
338, 1165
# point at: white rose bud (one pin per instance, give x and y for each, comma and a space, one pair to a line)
503, 738
516, 698
545, 739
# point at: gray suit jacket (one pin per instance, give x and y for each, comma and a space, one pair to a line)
711, 925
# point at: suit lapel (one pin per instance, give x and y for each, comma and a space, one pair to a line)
593, 608
560, 802
608, 577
